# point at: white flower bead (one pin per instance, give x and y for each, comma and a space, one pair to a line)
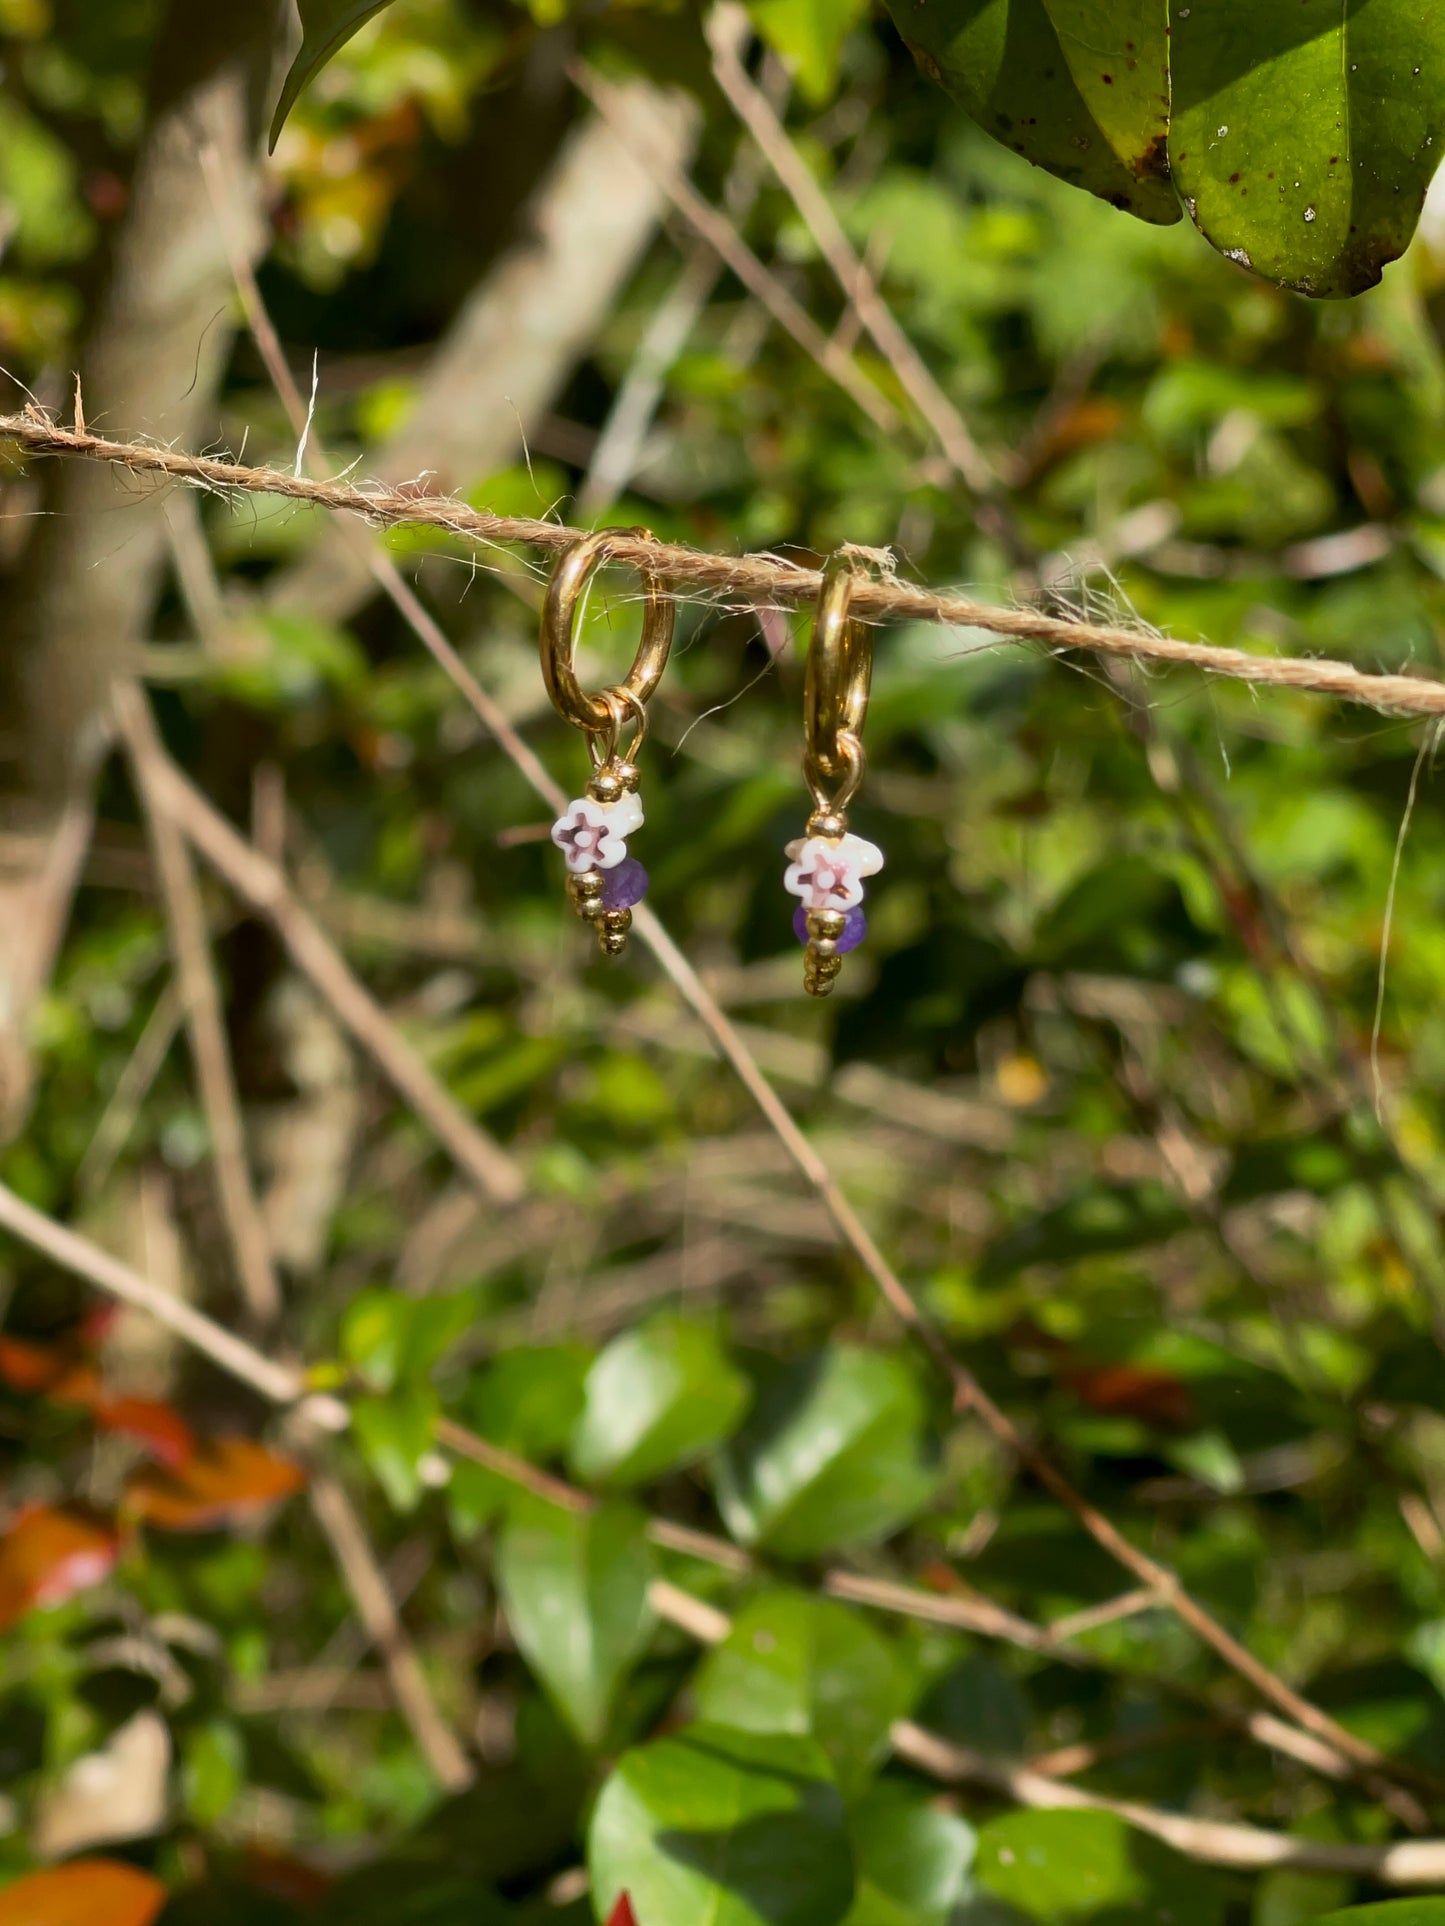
829, 875
593, 835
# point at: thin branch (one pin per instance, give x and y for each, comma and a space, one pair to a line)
117, 1120
723, 238
205, 1019
377, 1611
265, 889
1415, 1862
1211, 1842
757, 114
282, 1386
76, 1254
749, 580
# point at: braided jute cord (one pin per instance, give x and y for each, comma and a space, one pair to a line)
751, 579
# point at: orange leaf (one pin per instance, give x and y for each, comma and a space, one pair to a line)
47, 1370
163, 1432
1136, 1391
224, 1479
87, 1892
48, 1554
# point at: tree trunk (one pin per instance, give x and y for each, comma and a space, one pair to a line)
155, 350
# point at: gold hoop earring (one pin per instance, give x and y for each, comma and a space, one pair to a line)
603, 881
827, 866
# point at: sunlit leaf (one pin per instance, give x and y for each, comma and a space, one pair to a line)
395, 1435
810, 34
326, 26
48, 1554
720, 1828
807, 1665
1056, 1866
224, 1480
574, 1587
913, 1858
657, 1398
529, 1400
87, 1892
1080, 87
1304, 138
833, 1454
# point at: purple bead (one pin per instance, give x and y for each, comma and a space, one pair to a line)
624, 885
854, 929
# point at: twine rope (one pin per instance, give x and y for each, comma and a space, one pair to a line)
750, 580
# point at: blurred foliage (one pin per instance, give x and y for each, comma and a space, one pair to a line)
1100, 1083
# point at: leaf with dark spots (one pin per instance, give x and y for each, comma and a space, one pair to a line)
1305, 137
1080, 87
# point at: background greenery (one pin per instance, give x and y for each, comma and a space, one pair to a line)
1100, 1082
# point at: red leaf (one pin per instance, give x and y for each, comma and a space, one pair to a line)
163, 1432
224, 1479
87, 1892
1141, 1391
622, 1913
48, 1554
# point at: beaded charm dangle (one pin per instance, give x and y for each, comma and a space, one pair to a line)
603, 881
828, 865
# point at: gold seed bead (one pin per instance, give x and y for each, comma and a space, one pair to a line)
629, 775
586, 886
612, 931
612, 928
605, 786
823, 947
825, 923
830, 824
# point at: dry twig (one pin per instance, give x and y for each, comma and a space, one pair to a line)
377, 1611
205, 1019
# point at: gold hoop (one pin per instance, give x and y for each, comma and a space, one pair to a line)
837, 685
596, 713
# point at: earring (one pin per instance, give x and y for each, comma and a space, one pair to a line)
603, 881
827, 866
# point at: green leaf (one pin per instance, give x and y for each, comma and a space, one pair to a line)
1390, 1912
913, 1859
326, 26
657, 1397
530, 1399
574, 1586
1305, 137
392, 1338
213, 1772
805, 1665
1058, 1866
394, 1434
714, 1827
373, 1335
833, 1454
810, 34
1080, 87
